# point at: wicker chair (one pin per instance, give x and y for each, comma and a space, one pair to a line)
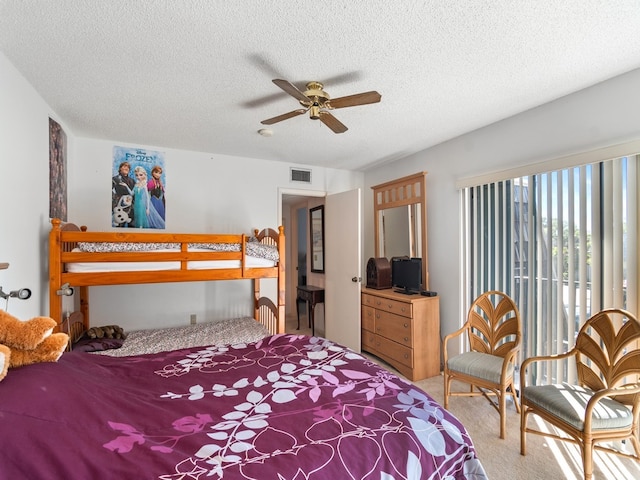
604, 403
494, 333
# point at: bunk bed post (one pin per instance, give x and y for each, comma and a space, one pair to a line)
256, 299
256, 281
84, 306
281, 280
55, 301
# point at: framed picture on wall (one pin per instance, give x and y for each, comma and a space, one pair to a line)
316, 221
57, 171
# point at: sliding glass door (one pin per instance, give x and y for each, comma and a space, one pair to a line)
563, 244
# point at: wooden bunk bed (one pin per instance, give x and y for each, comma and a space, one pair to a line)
160, 258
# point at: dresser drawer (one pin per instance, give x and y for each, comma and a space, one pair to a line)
368, 318
394, 327
368, 300
393, 306
393, 350
368, 340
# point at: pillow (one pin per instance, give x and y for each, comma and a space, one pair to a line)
86, 344
102, 247
217, 247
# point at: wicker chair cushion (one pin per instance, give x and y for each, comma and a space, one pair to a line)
568, 402
479, 365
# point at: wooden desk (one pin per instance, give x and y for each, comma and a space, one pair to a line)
312, 295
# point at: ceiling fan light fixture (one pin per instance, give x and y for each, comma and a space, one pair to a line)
314, 112
265, 132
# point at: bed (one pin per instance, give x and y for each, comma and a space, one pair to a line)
79, 259
282, 407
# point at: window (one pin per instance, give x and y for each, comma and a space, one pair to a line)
562, 244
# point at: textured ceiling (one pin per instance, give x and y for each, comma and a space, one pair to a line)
196, 74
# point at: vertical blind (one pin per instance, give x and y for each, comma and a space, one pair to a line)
563, 244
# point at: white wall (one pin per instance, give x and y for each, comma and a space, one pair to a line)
602, 115
205, 193
24, 191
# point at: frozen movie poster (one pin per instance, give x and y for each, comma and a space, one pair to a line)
137, 188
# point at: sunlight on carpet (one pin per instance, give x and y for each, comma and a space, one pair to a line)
568, 457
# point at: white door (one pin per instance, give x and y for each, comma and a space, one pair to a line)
342, 219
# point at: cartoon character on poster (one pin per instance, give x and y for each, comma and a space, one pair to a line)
138, 188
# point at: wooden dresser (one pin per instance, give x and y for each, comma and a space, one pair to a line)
403, 330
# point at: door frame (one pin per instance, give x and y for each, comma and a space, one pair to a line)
291, 246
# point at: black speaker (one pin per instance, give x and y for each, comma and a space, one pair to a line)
378, 273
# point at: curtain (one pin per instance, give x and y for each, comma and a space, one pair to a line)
563, 244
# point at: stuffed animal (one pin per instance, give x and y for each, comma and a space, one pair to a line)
24, 335
49, 350
5, 357
26, 342
107, 331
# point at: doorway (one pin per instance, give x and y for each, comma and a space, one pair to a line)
341, 279
294, 215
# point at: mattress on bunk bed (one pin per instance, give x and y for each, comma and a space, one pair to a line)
258, 256
224, 332
288, 406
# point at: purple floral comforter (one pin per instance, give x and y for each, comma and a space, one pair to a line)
287, 407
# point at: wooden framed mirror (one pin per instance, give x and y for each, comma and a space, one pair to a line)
400, 220
316, 224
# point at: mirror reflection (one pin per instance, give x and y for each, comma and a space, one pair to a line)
400, 231
400, 220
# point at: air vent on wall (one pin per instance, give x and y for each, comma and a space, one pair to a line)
298, 175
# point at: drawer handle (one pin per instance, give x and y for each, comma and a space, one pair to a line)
378, 329
406, 356
406, 325
389, 306
406, 339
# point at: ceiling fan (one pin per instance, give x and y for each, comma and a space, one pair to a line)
318, 103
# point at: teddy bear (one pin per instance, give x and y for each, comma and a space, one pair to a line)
24, 335
5, 354
26, 342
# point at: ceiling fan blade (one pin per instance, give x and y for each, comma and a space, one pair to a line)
291, 89
332, 122
284, 116
354, 100
258, 102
